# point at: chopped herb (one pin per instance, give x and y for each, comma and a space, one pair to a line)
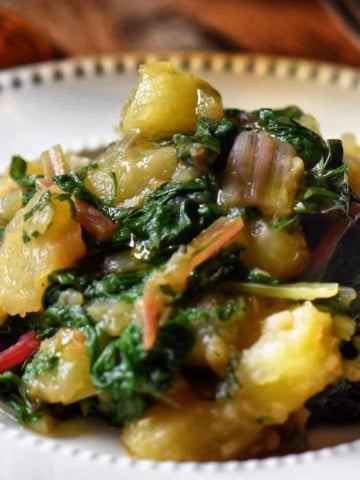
43, 363
230, 384
225, 313
17, 171
259, 276
25, 237
191, 315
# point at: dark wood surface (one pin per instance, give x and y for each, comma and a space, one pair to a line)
36, 30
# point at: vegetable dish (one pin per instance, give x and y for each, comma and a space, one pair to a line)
195, 283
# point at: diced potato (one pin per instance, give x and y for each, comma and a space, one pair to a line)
280, 253
352, 159
233, 323
44, 425
194, 431
34, 247
138, 169
112, 315
68, 380
295, 357
166, 101
10, 203
34, 167
7, 184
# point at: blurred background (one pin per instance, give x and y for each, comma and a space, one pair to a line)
38, 30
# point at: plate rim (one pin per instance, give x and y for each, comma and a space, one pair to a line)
258, 65
53, 444
35, 75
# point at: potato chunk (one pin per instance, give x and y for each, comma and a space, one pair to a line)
132, 171
36, 242
295, 357
281, 253
352, 160
59, 372
167, 101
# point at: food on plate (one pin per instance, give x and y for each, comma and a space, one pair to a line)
195, 284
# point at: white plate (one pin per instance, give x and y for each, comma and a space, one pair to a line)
77, 103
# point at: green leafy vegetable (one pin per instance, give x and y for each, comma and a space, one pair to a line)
338, 403
12, 394
325, 186
74, 183
170, 216
94, 285
18, 167
43, 200
226, 312
17, 171
211, 140
308, 144
131, 375
45, 362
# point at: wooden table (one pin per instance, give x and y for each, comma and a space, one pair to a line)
36, 30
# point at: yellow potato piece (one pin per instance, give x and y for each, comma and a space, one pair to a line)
352, 160
280, 253
137, 169
7, 184
295, 357
167, 101
68, 380
112, 315
53, 242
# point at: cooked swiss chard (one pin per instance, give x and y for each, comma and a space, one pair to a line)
199, 275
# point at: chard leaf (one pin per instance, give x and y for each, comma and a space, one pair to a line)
325, 186
73, 183
12, 394
131, 375
308, 144
18, 167
207, 144
170, 216
338, 403
17, 171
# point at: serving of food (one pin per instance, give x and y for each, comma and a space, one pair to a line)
194, 284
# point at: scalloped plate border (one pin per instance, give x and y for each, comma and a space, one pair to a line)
235, 64
300, 70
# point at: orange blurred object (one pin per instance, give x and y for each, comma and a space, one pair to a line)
21, 41
35, 30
